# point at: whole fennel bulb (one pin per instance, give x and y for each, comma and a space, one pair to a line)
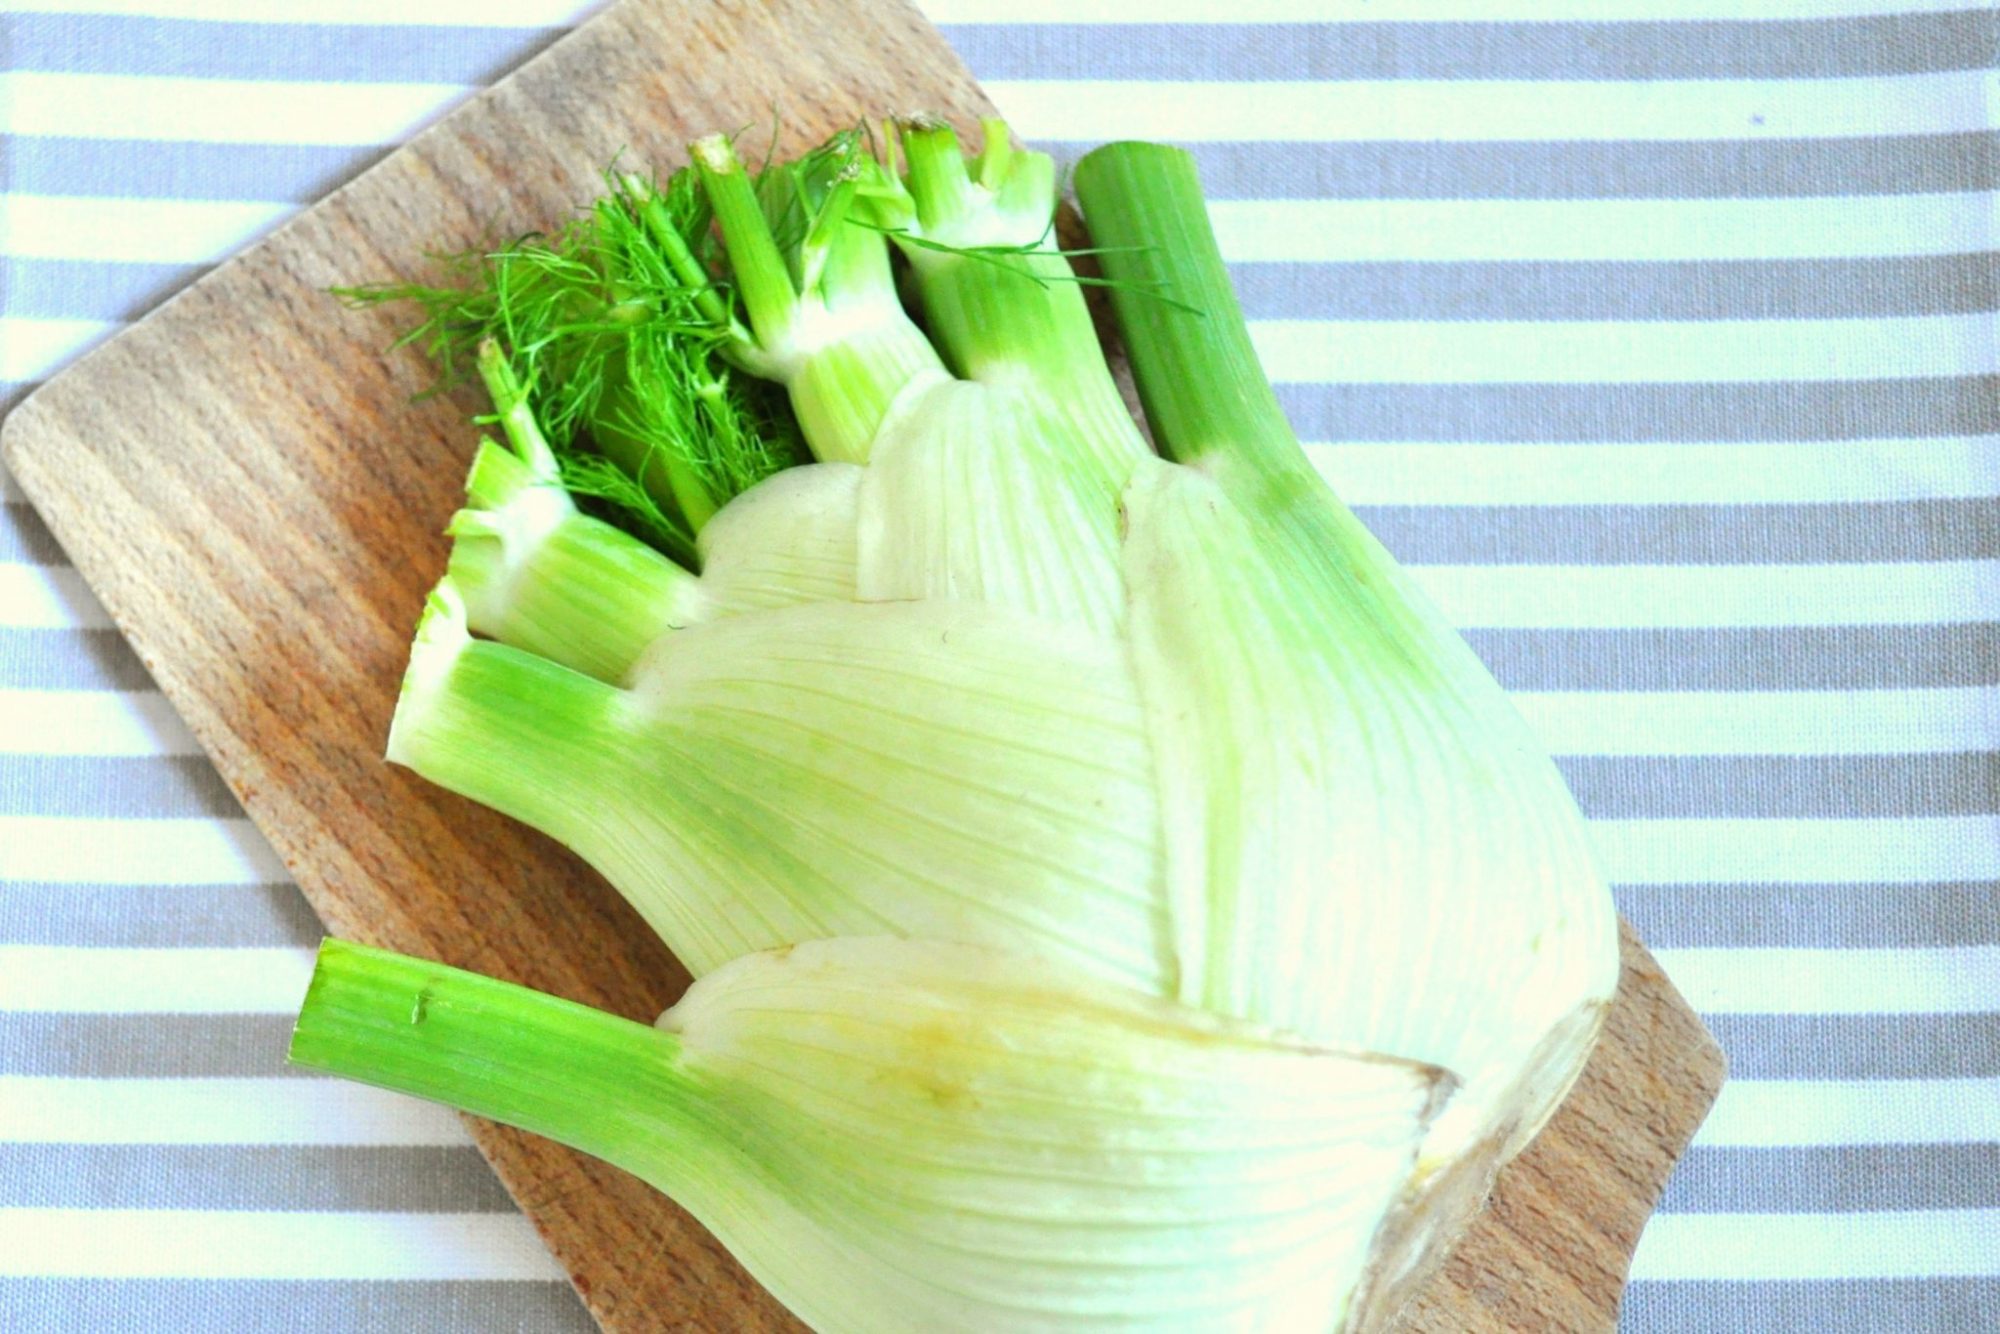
1146, 785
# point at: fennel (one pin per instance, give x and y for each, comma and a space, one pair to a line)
914, 1135
1164, 735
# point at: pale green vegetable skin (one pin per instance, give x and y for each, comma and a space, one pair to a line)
1202, 926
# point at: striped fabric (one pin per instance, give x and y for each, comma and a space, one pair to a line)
1658, 335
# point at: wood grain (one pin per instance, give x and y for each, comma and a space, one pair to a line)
244, 482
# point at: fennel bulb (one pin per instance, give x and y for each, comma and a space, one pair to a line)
898, 1134
1048, 738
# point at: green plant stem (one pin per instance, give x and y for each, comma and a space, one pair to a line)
660, 226
850, 262
1199, 379
1014, 316
585, 594
996, 152
1019, 320
762, 277
510, 403
1205, 392
844, 348
605, 1085
939, 183
667, 477
530, 738
536, 573
829, 224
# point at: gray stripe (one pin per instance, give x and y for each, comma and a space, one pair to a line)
1829, 1306
1771, 49
152, 169
13, 391
1808, 534
1606, 786
69, 660
75, 289
1813, 657
26, 540
1859, 1046
1559, 413
1764, 289
314, 1178
1759, 1046
145, 1046
315, 52
1838, 1179
1440, 290
122, 786
1593, 169
204, 1306
1691, 169
1805, 657
156, 916
1892, 916
1810, 657
1862, 657
1764, 49
1776, 787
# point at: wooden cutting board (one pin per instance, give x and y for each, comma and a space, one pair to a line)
244, 482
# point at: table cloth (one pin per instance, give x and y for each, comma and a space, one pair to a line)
1656, 335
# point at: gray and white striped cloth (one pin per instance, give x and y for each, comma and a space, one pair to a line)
1657, 335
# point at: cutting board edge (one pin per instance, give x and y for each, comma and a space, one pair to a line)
1705, 1069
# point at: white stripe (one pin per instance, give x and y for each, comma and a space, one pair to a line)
1952, 980
1568, 723
1690, 595
218, 1111
1648, 351
1405, 11
35, 349
451, 13
133, 231
1451, 352
233, 111
1765, 722
48, 597
224, 1244
1773, 1113
136, 852
91, 722
1664, 852
1603, 229
271, 111
81, 980
1406, 473
1414, 110
1919, 1244
192, 231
